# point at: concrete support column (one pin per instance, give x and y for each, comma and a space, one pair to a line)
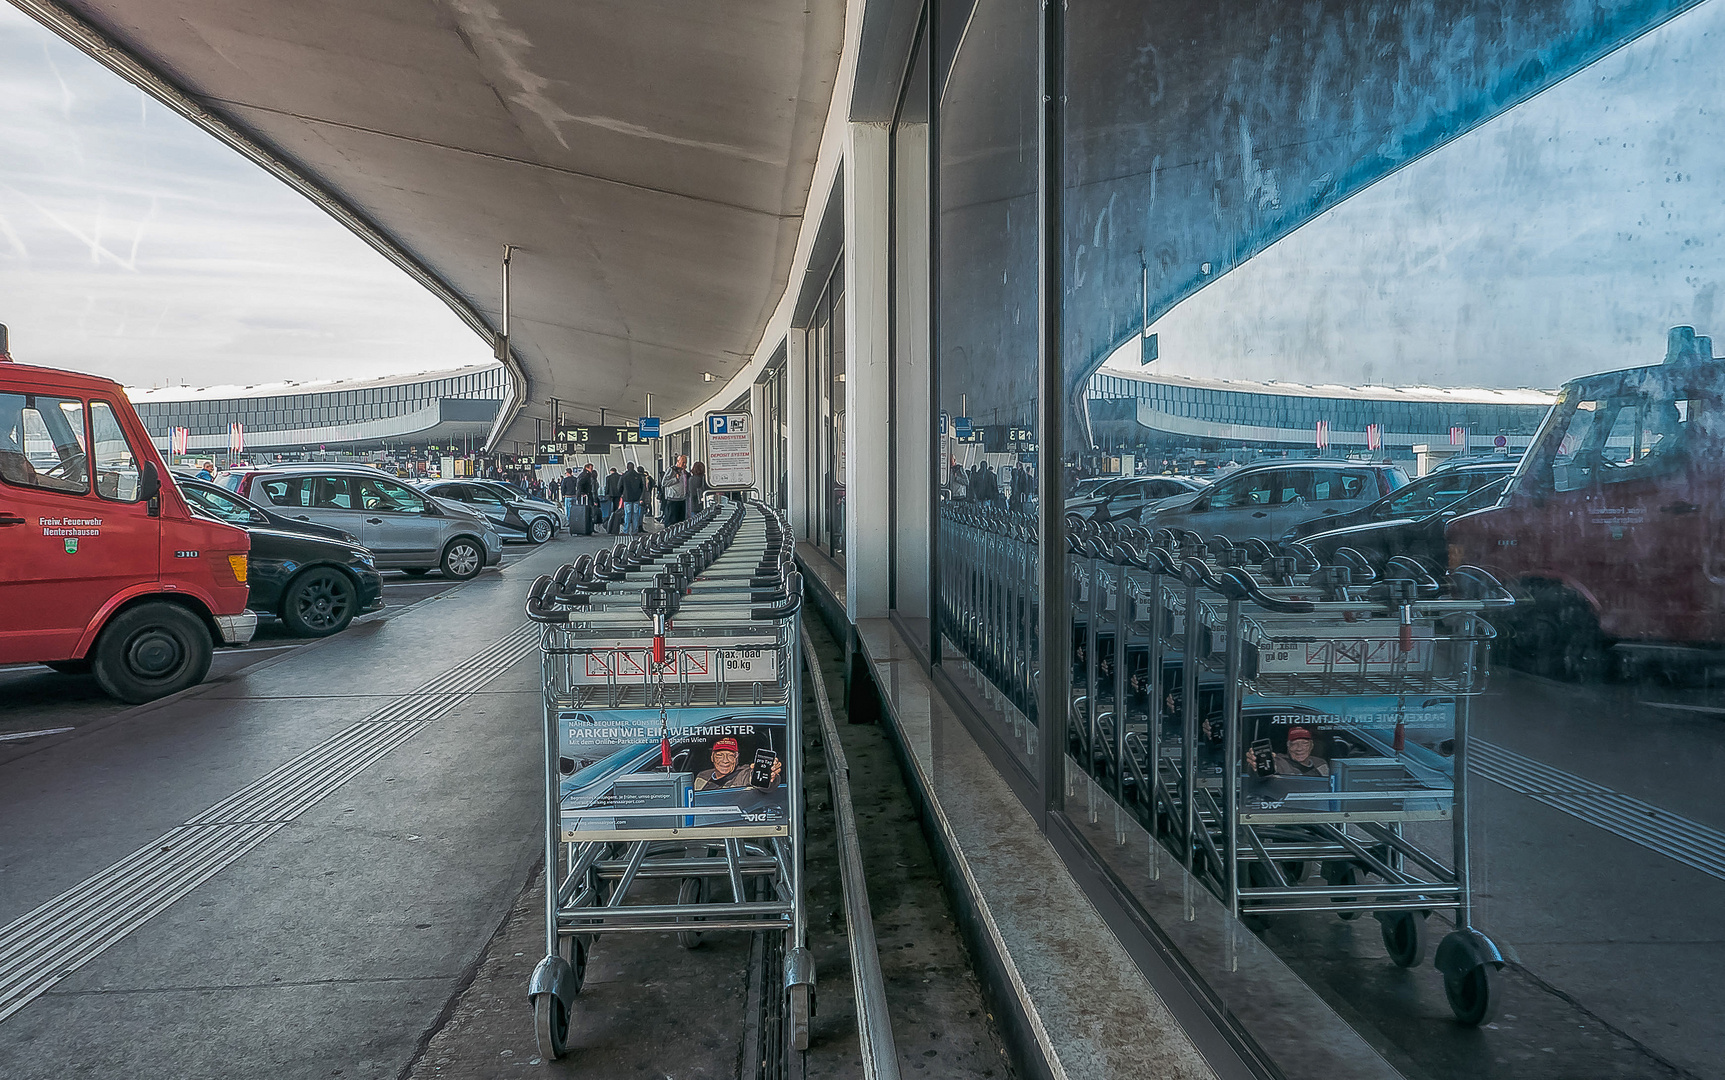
801, 449
913, 422
868, 354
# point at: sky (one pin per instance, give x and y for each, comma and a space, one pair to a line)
135, 246
1562, 238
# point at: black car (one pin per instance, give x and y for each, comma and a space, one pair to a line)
314, 578
1420, 537
1427, 495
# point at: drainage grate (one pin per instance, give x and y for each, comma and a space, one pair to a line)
1689, 842
56, 939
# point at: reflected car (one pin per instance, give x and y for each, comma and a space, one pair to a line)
1418, 537
1128, 497
1267, 499
514, 516
1427, 495
314, 583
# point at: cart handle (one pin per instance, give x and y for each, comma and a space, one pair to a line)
1472, 583
539, 609
1244, 586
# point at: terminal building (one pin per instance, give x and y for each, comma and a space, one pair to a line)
886, 231
446, 409
1143, 412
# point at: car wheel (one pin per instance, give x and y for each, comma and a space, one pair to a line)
150, 651
463, 559
540, 530
318, 603
1560, 637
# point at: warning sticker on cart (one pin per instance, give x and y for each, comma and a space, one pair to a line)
650, 773
758, 662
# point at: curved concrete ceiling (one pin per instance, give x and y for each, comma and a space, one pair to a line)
650, 159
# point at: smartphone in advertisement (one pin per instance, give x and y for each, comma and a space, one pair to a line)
1263, 758
762, 776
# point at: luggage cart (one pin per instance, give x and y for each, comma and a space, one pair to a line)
673, 750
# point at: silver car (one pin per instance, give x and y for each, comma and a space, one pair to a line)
405, 529
1268, 499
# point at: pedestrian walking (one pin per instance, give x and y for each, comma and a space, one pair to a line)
630, 491
613, 490
674, 491
697, 489
570, 491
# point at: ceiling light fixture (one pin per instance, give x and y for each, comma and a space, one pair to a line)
706, 376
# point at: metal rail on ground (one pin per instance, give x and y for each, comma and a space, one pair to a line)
874, 1023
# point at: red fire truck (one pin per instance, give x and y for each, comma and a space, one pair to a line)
1614, 525
103, 567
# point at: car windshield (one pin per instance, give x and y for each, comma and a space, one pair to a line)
229, 508
1430, 494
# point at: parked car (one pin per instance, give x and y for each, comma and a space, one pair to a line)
1128, 497
1614, 525
554, 506
403, 528
1419, 499
512, 513
103, 565
1418, 534
1267, 499
314, 583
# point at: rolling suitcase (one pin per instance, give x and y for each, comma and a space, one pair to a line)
582, 523
616, 520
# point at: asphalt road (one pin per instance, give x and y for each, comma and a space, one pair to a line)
288, 870
39, 706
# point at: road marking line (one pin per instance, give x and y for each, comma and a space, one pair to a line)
1691, 843
16, 735
61, 936
1686, 708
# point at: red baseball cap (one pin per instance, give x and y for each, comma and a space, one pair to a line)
725, 744
1300, 733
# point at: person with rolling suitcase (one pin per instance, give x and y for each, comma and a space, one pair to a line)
631, 491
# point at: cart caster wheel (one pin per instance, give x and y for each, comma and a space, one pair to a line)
1473, 995
574, 952
1404, 937
799, 1007
693, 890
1343, 875
550, 1026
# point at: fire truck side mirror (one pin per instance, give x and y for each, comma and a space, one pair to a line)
150, 488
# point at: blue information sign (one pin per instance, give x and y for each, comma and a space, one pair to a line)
649, 427
961, 428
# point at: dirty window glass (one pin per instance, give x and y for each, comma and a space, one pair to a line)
42, 443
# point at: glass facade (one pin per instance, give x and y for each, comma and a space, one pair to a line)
825, 356
1440, 806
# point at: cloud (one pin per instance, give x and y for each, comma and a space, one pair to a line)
136, 246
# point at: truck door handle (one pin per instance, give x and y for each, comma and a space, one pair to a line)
1259, 513
11, 519
1679, 508
301, 517
374, 521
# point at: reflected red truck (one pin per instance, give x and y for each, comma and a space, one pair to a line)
103, 567
1613, 524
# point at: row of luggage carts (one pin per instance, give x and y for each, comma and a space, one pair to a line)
1324, 770
673, 750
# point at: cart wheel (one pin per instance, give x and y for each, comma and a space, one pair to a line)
1473, 995
800, 1006
574, 951
1345, 875
1404, 937
550, 1026
693, 890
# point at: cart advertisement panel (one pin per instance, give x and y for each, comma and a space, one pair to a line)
1348, 754
651, 773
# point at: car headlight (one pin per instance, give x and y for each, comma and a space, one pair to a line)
364, 558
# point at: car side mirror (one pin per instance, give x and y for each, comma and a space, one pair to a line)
150, 488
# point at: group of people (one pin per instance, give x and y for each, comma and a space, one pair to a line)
630, 493
981, 484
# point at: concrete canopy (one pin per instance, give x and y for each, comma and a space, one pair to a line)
650, 159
